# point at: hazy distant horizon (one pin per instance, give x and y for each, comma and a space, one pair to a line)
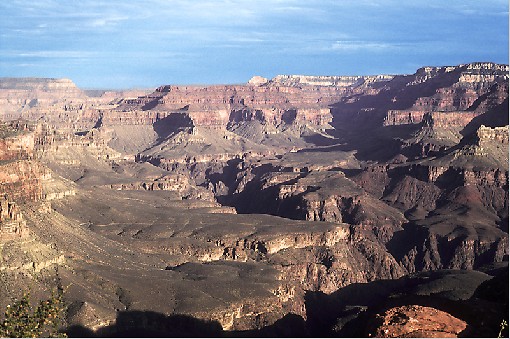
127, 44
232, 83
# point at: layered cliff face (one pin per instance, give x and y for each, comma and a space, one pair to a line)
457, 216
334, 81
474, 87
217, 106
456, 203
58, 102
314, 196
241, 204
16, 141
12, 224
20, 174
26, 263
18, 96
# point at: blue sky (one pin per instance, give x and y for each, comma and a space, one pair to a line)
128, 43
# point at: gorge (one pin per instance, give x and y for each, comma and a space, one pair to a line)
291, 206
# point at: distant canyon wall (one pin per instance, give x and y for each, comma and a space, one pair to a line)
463, 92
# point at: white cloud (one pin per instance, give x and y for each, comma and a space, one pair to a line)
25, 65
57, 54
107, 20
360, 45
85, 54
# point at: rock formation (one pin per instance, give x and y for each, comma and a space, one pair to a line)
417, 321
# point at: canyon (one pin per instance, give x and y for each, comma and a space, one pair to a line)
293, 206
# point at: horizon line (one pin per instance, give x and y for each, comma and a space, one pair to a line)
198, 84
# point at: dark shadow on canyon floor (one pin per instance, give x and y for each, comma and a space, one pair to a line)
140, 324
478, 298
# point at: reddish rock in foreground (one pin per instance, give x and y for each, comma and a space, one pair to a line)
413, 321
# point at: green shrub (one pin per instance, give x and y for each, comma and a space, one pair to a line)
21, 320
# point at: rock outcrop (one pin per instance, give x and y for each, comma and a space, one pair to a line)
16, 141
415, 321
333, 81
12, 224
21, 180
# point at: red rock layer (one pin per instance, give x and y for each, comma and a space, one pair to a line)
417, 322
219, 105
467, 89
21, 180
17, 147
